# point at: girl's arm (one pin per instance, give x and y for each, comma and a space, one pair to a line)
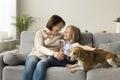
89, 48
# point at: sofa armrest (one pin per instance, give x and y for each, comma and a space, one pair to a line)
2, 64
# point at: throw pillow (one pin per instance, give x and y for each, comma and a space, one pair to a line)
14, 58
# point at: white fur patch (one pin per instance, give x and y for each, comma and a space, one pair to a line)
72, 56
112, 63
80, 62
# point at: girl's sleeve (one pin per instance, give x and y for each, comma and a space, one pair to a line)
76, 44
39, 44
62, 41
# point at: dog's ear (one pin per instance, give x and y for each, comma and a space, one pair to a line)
71, 49
82, 54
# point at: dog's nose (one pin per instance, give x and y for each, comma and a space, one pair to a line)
68, 57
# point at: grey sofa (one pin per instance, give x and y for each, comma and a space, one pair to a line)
14, 71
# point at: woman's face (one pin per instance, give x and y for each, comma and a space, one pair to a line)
67, 34
58, 27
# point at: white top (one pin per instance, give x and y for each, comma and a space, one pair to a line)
45, 45
67, 46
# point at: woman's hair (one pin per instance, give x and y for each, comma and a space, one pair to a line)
76, 36
54, 20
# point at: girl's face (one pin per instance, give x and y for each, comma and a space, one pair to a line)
57, 27
68, 34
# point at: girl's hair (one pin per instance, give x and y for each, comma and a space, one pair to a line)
76, 36
54, 20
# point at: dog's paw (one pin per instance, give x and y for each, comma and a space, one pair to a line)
72, 70
69, 66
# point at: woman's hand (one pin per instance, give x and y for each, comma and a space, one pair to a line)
59, 55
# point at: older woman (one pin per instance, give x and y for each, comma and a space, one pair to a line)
46, 43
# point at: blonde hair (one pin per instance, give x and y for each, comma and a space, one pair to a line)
76, 33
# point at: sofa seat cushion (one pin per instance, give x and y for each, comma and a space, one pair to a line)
62, 73
53, 73
12, 72
104, 74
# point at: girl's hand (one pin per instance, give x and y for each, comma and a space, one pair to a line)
59, 55
98, 49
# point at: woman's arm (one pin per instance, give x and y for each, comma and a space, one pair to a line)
61, 46
39, 44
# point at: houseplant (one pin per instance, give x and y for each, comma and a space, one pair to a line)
23, 22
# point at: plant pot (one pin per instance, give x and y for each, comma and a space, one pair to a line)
118, 27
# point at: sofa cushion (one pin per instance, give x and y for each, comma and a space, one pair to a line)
14, 58
27, 40
99, 38
87, 38
62, 73
53, 73
104, 74
13, 72
112, 47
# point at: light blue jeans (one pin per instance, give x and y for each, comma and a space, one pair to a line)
35, 68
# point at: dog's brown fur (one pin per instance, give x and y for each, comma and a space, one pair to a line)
92, 58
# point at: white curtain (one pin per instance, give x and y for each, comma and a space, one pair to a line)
8, 9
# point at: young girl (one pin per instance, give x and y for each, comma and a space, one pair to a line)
71, 38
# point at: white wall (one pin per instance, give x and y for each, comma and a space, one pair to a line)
91, 15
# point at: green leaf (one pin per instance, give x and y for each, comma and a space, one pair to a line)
23, 22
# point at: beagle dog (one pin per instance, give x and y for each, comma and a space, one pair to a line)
90, 59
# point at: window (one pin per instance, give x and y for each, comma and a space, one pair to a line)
8, 9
